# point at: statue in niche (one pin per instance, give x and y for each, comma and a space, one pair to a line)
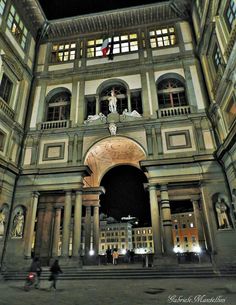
134, 113
2, 223
222, 212
112, 102
18, 225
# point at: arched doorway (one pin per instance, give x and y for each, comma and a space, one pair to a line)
119, 157
125, 194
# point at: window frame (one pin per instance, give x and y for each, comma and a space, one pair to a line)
62, 107
10, 91
60, 48
3, 137
229, 9
17, 27
94, 45
2, 6
158, 38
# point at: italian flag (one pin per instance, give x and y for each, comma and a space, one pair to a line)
105, 47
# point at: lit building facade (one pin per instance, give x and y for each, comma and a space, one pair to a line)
171, 115
142, 240
185, 233
116, 235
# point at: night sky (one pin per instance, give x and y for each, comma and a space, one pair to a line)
54, 9
125, 194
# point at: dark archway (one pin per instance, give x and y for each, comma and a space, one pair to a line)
125, 194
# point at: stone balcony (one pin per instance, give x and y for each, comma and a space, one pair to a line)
6, 109
54, 125
174, 111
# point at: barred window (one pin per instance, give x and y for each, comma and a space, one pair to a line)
230, 13
2, 6
6, 86
63, 52
121, 44
217, 59
163, 37
17, 27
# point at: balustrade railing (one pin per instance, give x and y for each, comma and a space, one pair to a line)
174, 111
6, 109
54, 124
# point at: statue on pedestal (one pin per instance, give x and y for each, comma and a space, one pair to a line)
18, 225
222, 211
112, 102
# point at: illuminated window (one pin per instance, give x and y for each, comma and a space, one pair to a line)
2, 6
191, 225
163, 37
17, 27
171, 93
230, 14
59, 107
63, 52
217, 59
6, 88
121, 44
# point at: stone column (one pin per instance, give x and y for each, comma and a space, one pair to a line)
87, 229
77, 225
96, 229
30, 224
198, 224
56, 231
39, 230
166, 221
66, 225
155, 217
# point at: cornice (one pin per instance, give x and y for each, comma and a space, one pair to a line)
109, 21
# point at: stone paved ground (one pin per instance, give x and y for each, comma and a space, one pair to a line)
122, 292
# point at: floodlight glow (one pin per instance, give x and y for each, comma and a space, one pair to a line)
197, 249
91, 252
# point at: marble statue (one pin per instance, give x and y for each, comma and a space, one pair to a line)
95, 117
134, 113
222, 214
2, 223
112, 102
18, 225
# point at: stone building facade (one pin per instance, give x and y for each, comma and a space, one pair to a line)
172, 77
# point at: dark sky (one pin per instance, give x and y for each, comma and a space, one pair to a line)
66, 8
125, 194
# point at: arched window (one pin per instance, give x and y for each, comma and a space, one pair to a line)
58, 107
121, 95
171, 93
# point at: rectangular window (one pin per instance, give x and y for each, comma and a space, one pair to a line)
136, 101
217, 59
185, 238
2, 6
121, 44
17, 27
163, 37
6, 88
2, 140
193, 239
230, 14
63, 52
90, 105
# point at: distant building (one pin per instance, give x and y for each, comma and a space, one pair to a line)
142, 240
185, 233
115, 235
